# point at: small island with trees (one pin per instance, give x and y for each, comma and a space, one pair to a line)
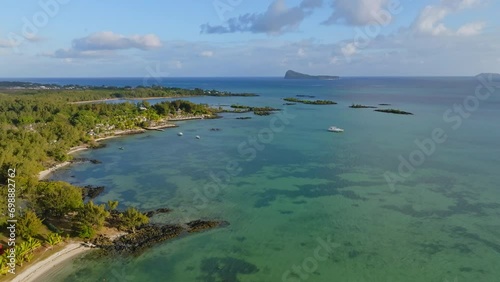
393, 111
358, 106
310, 102
290, 74
260, 111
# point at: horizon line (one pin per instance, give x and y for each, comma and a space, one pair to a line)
166, 77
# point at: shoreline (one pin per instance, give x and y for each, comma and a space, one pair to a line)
116, 134
44, 173
33, 272
129, 99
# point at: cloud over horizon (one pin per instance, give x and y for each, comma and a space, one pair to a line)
107, 40
104, 42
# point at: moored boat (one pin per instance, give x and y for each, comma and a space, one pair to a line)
335, 129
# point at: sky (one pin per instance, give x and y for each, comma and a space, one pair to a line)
214, 38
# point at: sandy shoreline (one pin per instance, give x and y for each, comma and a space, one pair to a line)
42, 267
43, 174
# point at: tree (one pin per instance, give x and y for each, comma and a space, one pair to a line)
93, 215
112, 205
133, 218
86, 232
58, 198
29, 225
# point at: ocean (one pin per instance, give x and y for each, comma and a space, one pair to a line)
393, 198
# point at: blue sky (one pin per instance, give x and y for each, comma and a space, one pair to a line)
72, 38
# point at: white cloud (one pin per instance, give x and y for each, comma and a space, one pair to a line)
277, 19
349, 49
460, 4
356, 12
107, 40
334, 60
207, 54
175, 64
5, 43
104, 43
471, 29
430, 19
72, 53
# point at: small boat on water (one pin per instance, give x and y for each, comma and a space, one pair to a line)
180, 134
121, 148
335, 129
198, 137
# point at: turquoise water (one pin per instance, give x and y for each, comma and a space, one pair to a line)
305, 204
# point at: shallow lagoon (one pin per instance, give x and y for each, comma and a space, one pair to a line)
305, 185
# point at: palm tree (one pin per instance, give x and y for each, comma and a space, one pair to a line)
4, 268
112, 205
21, 251
54, 239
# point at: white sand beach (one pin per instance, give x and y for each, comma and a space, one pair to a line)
40, 268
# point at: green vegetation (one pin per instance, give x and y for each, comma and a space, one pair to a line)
394, 111
38, 126
358, 106
54, 239
76, 93
29, 225
37, 131
112, 205
133, 218
260, 111
310, 102
57, 198
91, 215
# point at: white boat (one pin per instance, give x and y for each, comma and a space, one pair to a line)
180, 134
335, 129
198, 137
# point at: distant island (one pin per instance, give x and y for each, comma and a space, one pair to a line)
310, 102
290, 74
394, 111
494, 76
358, 106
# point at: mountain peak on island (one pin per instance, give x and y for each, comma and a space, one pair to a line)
290, 74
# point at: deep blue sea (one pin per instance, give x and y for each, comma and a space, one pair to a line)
393, 198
